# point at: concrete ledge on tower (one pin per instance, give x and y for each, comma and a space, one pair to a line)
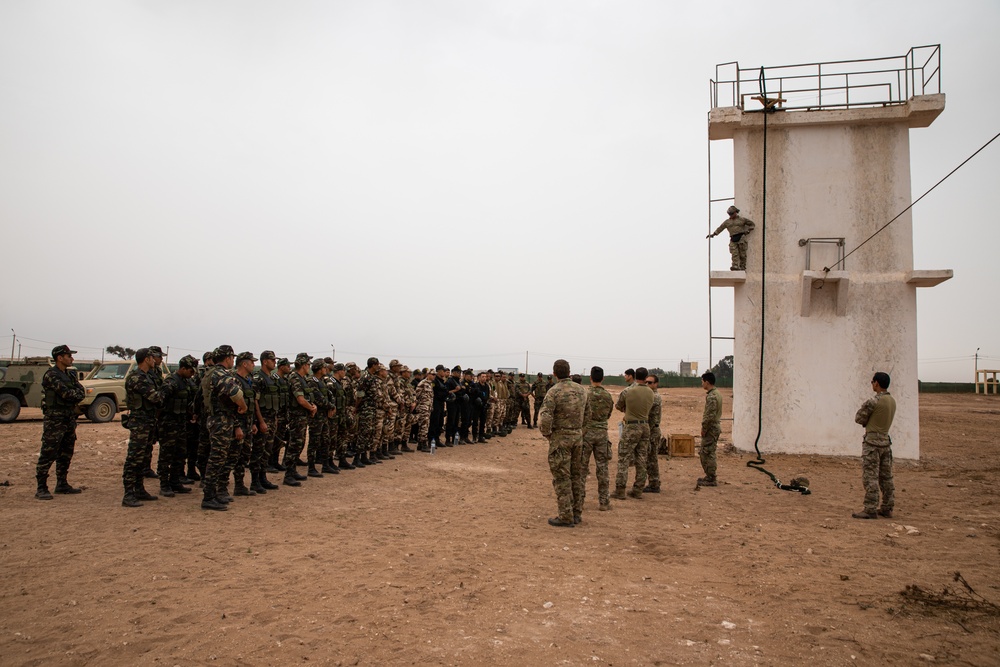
726, 278
928, 278
838, 280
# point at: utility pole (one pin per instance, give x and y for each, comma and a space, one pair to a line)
12, 340
333, 352
977, 372
526, 362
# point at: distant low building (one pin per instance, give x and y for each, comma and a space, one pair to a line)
689, 369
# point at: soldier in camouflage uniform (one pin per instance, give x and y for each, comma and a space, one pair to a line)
329, 448
387, 447
196, 424
409, 393
564, 412
339, 425
500, 415
876, 415
246, 427
62, 392
223, 401
179, 397
157, 374
143, 398
739, 227
524, 399
635, 401
319, 423
595, 438
652, 458
280, 376
424, 400
204, 443
538, 389
371, 413
269, 395
711, 429
350, 439
300, 409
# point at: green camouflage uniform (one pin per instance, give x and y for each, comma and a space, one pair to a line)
564, 412
635, 401
219, 389
178, 407
738, 228
62, 392
143, 398
710, 431
538, 389
596, 443
876, 415
652, 461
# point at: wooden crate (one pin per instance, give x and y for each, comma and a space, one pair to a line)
681, 444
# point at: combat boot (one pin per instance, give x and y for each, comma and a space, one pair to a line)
222, 494
42, 492
240, 488
141, 493
149, 473
375, 457
63, 487
264, 482
329, 469
166, 491
210, 502
178, 487
312, 472
192, 474
359, 461
130, 500
386, 454
561, 523
604, 506
344, 464
404, 448
635, 493
619, 493
707, 481
393, 449
651, 489
290, 479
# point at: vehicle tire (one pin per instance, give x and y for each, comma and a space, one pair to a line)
10, 408
102, 410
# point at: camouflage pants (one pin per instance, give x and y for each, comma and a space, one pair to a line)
338, 440
389, 424
318, 442
538, 406
221, 447
173, 448
739, 253
876, 474
652, 461
140, 441
565, 457
422, 418
193, 433
154, 437
632, 451
263, 443
596, 444
58, 443
709, 442
280, 437
350, 437
402, 419
204, 444
491, 415
369, 429
526, 412
243, 451
298, 425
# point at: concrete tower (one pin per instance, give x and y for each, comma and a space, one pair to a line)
836, 172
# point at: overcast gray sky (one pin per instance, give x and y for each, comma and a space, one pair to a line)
438, 181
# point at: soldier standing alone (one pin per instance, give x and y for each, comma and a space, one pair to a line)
738, 227
710, 429
876, 416
62, 392
564, 412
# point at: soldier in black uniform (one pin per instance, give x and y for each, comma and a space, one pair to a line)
62, 392
144, 399
156, 372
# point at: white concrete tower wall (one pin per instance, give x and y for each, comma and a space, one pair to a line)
830, 174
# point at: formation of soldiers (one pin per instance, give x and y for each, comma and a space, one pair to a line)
220, 418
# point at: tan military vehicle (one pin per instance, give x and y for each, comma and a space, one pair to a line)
105, 390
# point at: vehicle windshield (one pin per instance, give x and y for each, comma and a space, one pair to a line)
111, 372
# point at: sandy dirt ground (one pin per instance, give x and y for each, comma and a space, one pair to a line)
447, 559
